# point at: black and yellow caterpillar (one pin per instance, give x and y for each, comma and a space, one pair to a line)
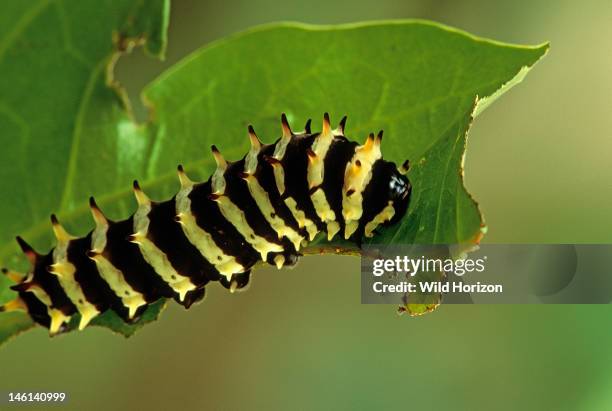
264, 207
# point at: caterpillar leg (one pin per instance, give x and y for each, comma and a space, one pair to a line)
192, 297
238, 282
404, 167
286, 259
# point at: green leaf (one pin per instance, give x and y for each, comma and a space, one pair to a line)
418, 81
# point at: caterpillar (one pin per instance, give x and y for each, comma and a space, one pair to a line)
264, 207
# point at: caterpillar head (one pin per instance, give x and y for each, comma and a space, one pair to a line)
399, 190
386, 198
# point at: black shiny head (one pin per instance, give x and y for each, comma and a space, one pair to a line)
388, 186
399, 190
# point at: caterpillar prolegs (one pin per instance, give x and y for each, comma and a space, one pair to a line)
264, 207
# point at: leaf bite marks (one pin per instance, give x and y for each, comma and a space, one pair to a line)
51, 155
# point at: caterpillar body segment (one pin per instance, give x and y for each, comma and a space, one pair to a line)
264, 207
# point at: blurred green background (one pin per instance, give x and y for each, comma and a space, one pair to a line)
538, 162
